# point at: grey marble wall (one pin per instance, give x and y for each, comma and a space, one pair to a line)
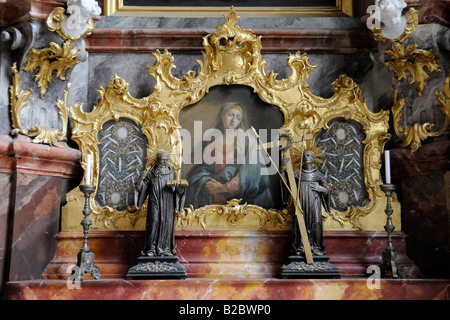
209, 24
132, 68
5, 76
365, 68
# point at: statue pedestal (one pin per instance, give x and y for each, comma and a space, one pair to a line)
158, 267
321, 268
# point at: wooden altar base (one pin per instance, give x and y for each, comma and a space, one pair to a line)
230, 289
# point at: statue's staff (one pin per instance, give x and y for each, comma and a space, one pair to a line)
298, 209
301, 163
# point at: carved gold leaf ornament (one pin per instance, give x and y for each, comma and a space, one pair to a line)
55, 58
18, 100
444, 99
49, 136
409, 59
48, 60
412, 136
232, 56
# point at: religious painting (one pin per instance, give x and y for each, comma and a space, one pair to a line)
196, 119
220, 158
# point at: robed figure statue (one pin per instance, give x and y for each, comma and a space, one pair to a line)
313, 194
165, 197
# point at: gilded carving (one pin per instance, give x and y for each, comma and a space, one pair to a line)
232, 56
409, 59
234, 213
117, 7
18, 99
49, 60
55, 21
56, 58
406, 60
413, 136
444, 100
49, 136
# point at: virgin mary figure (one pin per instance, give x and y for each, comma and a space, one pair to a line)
231, 167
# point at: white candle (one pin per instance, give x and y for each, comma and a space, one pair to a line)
387, 166
88, 168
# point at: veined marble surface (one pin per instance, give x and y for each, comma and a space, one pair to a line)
244, 22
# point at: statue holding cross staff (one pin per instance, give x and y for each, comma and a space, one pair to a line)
308, 196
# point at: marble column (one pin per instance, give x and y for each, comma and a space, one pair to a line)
424, 187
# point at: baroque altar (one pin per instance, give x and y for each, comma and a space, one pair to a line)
234, 238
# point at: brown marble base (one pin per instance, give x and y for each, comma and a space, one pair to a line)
31, 184
226, 254
229, 289
187, 40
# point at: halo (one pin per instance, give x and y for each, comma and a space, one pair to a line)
312, 146
152, 151
308, 145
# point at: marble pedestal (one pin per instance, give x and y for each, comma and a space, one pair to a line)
157, 267
321, 268
230, 289
32, 179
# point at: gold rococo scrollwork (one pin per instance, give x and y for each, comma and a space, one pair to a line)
413, 136
19, 97
409, 59
54, 59
232, 56
406, 60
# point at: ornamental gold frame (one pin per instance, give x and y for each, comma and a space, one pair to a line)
116, 7
232, 56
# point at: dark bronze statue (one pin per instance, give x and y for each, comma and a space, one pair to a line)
313, 193
165, 196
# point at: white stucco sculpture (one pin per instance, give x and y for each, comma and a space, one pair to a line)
393, 22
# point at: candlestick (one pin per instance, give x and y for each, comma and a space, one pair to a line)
390, 259
387, 166
85, 258
88, 168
